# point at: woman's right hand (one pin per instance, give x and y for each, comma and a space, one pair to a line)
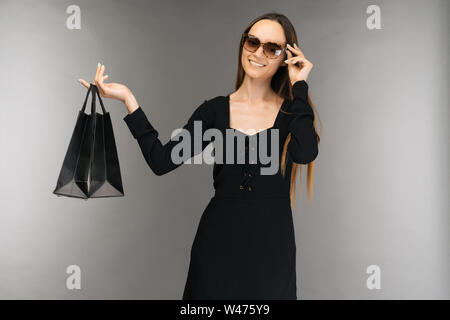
112, 90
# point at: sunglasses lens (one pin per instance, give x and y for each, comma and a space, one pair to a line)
251, 44
272, 50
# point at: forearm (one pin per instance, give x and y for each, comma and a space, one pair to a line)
159, 155
303, 146
131, 103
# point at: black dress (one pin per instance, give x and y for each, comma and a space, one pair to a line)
244, 247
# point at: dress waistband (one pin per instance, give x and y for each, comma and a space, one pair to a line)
248, 195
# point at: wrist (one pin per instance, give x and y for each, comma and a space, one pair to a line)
297, 80
131, 102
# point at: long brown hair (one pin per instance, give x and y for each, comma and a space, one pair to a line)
281, 84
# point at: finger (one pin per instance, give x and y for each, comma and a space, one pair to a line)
105, 77
102, 71
84, 83
293, 49
294, 59
297, 47
305, 61
296, 50
288, 54
300, 62
99, 65
298, 59
99, 78
100, 84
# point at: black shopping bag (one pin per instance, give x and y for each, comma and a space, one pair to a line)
91, 165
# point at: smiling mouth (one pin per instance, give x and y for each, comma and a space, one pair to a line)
256, 64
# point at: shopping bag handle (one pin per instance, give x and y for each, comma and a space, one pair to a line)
94, 90
100, 99
85, 99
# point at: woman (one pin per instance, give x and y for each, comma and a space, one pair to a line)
244, 247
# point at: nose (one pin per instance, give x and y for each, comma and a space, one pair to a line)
259, 52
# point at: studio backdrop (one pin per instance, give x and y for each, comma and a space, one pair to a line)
377, 227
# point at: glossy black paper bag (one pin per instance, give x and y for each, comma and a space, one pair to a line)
91, 165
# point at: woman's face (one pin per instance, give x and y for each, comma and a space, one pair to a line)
265, 31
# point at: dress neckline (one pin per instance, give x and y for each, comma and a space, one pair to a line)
228, 113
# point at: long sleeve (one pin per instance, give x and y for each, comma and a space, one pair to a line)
158, 155
303, 147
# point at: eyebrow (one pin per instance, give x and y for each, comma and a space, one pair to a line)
278, 44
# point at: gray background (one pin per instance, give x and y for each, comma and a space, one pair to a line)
381, 179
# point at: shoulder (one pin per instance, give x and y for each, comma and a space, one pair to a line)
215, 101
210, 109
213, 104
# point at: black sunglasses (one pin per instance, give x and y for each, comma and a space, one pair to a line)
271, 50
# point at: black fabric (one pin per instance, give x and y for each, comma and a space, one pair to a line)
244, 247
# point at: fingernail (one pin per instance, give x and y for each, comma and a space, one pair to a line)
286, 61
98, 64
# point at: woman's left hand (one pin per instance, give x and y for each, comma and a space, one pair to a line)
300, 71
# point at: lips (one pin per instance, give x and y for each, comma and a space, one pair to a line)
261, 65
